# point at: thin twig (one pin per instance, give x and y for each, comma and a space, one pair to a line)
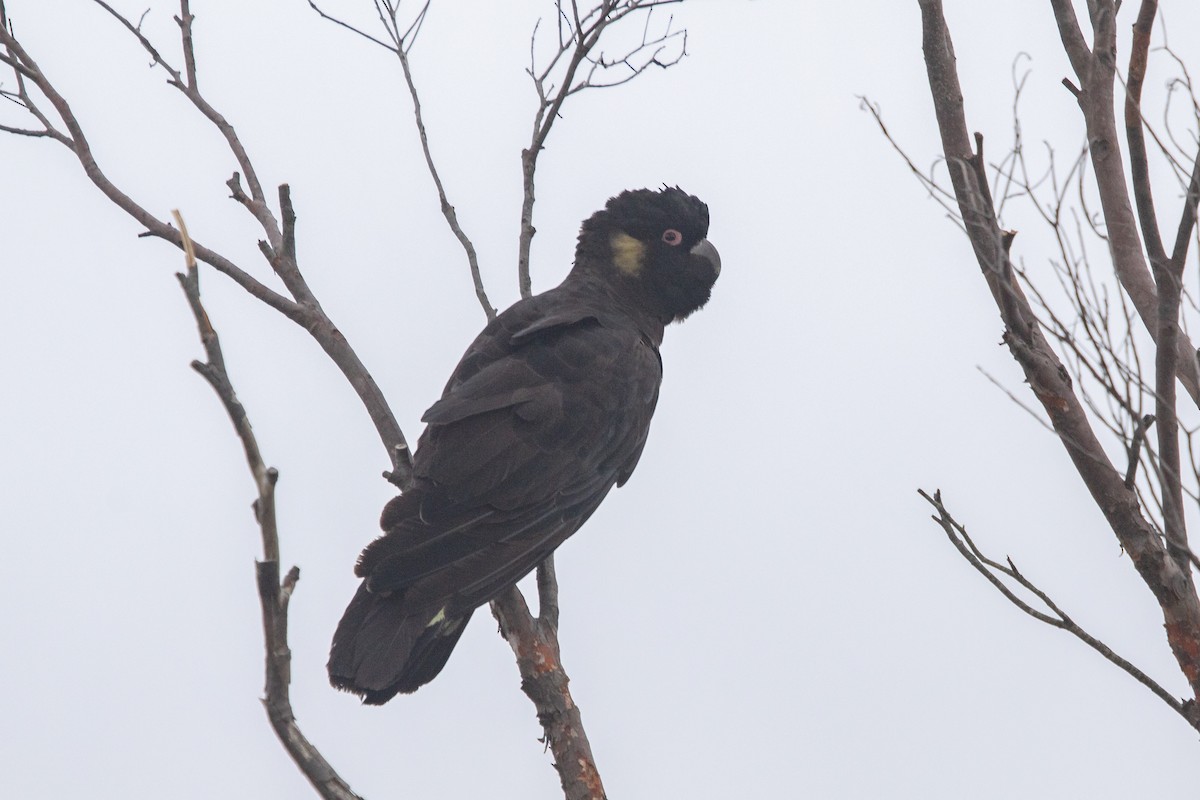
1187, 217
1135, 448
579, 37
447, 209
258, 207
400, 46
1056, 618
357, 31
184, 20
935, 190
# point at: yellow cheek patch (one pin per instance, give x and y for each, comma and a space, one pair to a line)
628, 253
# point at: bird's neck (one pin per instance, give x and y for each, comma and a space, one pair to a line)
617, 297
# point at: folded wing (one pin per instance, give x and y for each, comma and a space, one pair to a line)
543, 416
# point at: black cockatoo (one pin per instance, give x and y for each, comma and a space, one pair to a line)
547, 411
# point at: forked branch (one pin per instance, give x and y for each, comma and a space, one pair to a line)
1095, 70
1053, 615
534, 642
301, 306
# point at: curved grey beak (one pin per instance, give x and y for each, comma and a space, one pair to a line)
705, 250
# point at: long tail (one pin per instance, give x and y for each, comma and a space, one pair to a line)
379, 650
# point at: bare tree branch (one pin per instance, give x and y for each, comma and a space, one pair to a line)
1187, 218
1135, 447
1168, 276
936, 192
447, 210
579, 37
302, 308
1138, 161
1072, 36
184, 21
1165, 576
21, 98
399, 46
534, 641
991, 570
78, 143
343, 24
257, 205
1096, 72
273, 594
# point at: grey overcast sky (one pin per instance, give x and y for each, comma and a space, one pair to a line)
765, 610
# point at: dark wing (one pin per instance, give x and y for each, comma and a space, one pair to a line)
547, 411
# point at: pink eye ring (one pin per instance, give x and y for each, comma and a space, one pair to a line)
672, 237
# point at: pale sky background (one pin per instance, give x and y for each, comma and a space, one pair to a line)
765, 610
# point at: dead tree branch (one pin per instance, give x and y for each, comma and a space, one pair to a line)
1135, 448
534, 642
1169, 580
279, 248
579, 38
273, 594
399, 44
301, 307
1095, 69
1056, 618
1168, 277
